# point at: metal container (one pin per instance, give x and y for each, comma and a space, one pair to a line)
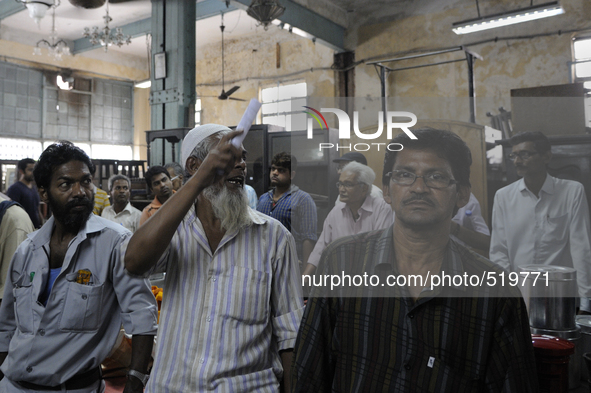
584, 323
549, 293
575, 360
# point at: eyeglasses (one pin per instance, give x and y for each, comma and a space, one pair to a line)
524, 155
432, 180
347, 185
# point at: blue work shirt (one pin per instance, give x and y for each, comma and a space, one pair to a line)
296, 210
77, 329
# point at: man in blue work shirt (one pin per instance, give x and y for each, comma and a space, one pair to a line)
293, 207
67, 292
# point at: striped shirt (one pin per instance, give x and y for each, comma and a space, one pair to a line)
466, 339
296, 210
226, 315
101, 200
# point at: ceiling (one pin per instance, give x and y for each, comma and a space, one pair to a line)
70, 20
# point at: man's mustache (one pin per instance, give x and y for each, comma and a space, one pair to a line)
77, 202
418, 198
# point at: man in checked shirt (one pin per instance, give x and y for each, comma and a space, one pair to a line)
412, 338
232, 298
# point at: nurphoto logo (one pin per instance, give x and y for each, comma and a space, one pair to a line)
345, 128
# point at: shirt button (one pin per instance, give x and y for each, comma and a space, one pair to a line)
41, 332
215, 279
201, 360
208, 319
407, 366
29, 369
84, 296
411, 315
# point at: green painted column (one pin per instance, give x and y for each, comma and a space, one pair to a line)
172, 98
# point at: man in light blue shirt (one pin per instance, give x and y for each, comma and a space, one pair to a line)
67, 292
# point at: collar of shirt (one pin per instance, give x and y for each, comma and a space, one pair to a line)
547, 187
192, 219
156, 203
292, 189
43, 235
367, 205
452, 262
126, 208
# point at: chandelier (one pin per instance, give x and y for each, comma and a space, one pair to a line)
265, 11
55, 47
107, 36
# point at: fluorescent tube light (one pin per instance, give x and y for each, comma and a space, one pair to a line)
508, 18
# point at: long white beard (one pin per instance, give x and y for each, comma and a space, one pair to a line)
231, 208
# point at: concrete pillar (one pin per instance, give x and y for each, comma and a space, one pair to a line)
172, 97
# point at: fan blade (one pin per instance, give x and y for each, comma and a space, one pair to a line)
232, 90
236, 99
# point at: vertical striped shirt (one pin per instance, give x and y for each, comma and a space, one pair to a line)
226, 314
457, 339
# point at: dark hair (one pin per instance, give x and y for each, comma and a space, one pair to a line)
285, 160
153, 171
445, 144
541, 142
22, 164
55, 155
119, 176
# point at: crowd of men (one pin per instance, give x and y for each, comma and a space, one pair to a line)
233, 315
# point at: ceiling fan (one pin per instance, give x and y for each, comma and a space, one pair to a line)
225, 95
90, 4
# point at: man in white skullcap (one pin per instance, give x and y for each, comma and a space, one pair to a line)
232, 298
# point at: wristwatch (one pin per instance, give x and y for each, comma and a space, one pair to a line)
142, 377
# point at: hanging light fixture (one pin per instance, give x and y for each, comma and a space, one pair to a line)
55, 47
508, 18
265, 11
38, 8
107, 36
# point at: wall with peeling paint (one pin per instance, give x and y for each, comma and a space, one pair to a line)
250, 62
508, 63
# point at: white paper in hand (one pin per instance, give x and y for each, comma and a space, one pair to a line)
247, 119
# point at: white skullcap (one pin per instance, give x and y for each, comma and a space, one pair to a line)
195, 136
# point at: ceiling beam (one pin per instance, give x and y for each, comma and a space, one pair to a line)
205, 9
8, 8
315, 26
